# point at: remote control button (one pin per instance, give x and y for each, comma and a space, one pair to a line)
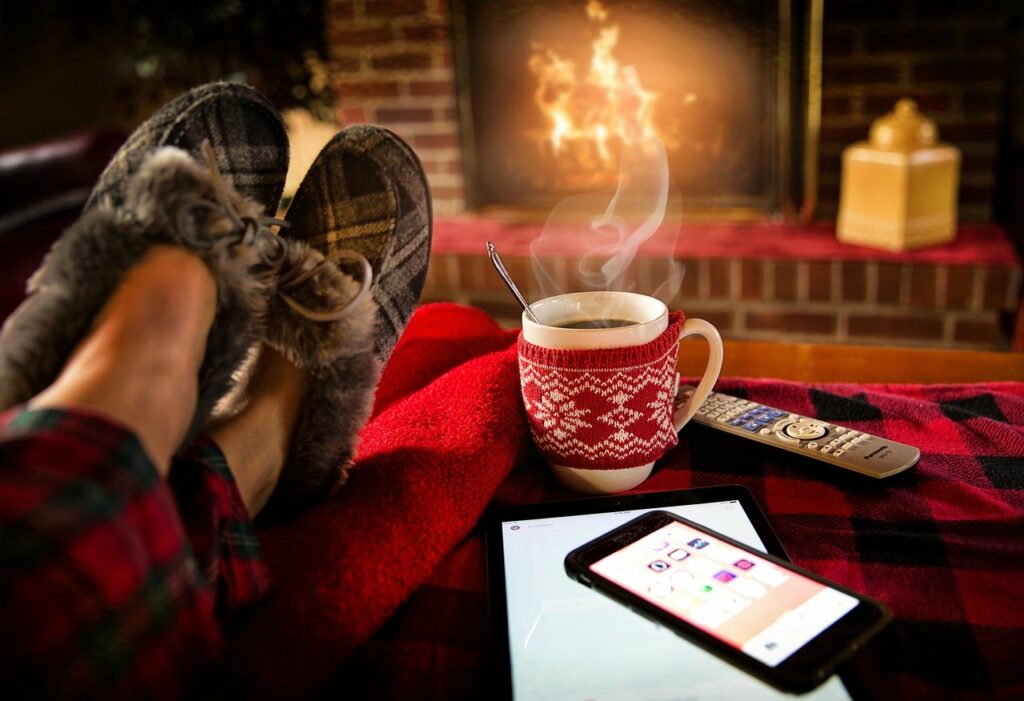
781, 435
795, 417
737, 421
765, 431
837, 453
840, 429
833, 443
826, 449
846, 446
806, 429
811, 446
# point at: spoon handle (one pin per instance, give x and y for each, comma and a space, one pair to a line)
493, 253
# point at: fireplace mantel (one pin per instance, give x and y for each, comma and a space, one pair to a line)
768, 281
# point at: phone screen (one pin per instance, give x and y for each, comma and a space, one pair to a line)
749, 602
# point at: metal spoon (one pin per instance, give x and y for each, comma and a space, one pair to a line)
493, 253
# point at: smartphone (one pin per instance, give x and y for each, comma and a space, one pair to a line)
781, 623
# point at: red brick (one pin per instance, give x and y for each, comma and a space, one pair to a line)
926, 102
982, 101
723, 320
909, 39
401, 60
855, 284
949, 71
689, 288
359, 38
392, 115
860, 74
978, 162
394, 8
420, 88
870, 10
837, 41
996, 289
435, 141
922, 286
845, 134
427, 32
353, 115
959, 286
793, 322
974, 131
752, 280
975, 194
448, 193
500, 308
718, 279
819, 281
889, 283
838, 105
979, 331
346, 64
785, 280
373, 89
971, 9
895, 327
341, 10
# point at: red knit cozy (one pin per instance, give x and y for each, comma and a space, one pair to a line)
605, 408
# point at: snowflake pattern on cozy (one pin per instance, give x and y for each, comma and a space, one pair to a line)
606, 408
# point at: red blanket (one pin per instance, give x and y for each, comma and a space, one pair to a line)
382, 593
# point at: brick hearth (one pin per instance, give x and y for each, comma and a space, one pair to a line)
782, 282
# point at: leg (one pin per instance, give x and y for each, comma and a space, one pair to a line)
256, 441
139, 365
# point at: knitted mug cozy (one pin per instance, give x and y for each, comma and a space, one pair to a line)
603, 408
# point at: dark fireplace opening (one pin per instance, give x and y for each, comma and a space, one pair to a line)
552, 93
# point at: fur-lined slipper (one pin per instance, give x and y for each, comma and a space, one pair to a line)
367, 192
171, 200
365, 205
249, 142
322, 320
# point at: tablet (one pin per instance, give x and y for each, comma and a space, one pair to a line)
556, 639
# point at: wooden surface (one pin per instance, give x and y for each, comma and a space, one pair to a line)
814, 362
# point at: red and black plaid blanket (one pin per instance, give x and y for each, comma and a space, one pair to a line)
382, 594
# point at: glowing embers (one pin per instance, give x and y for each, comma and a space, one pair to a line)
591, 119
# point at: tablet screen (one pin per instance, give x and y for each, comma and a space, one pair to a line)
568, 642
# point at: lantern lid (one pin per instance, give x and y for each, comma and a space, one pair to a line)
903, 129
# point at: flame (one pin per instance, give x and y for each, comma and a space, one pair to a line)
590, 121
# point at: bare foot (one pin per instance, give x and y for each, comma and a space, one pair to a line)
256, 441
139, 364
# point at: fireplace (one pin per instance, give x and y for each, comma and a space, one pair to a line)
554, 96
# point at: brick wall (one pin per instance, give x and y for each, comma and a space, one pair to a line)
392, 65
949, 55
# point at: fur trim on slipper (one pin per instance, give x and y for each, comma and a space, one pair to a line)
171, 200
338, 353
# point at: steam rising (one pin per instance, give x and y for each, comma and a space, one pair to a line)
621, 241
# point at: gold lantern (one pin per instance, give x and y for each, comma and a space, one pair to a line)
898, 189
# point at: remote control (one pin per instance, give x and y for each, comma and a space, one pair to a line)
840, 446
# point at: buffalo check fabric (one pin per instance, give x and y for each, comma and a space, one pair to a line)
942, 545
114, 581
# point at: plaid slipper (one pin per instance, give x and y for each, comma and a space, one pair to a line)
367, 192
247, 135
365, 205
170, 200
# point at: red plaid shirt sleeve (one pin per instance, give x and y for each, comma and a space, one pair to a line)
107, 588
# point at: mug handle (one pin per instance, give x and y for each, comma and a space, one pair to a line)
699, 327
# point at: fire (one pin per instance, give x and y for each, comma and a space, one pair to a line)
609, 109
